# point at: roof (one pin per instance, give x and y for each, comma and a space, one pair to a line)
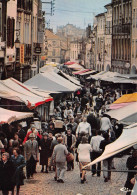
51, 35
8, 116
101, 14
108, 5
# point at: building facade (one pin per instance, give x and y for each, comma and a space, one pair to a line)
56, 46
75, 50
108, 38
121, 35
134, 38
100, 39
21, 41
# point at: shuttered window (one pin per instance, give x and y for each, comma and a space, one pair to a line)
10, 32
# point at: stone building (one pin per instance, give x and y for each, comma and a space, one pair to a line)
108, 37
134, 38
56, 46
21, 34
121, 35
100, 39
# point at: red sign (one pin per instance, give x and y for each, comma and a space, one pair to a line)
22, 54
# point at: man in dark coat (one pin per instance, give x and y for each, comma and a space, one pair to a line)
6, 174
107, 163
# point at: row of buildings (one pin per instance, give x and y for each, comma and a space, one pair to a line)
111, 43
22, 40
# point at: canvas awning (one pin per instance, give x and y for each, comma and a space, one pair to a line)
134, 191
9, 116
82, 71
17, 91
127, 139
98, 75
89, 72
70, 78
116, 106
43, 83
127, 98
75, 67
69, 63
126, 114
52, 74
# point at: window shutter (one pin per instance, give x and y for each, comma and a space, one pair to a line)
8, 32
13, 27
11, 31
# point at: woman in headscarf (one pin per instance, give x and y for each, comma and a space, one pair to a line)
6, 174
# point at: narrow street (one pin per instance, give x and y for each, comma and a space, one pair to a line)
44, 184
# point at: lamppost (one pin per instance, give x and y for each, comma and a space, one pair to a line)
17, 43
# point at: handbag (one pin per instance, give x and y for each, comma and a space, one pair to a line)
69, 157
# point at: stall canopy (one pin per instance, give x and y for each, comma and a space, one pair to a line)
9, 116
126, 114
127, 98
51, 82
70, 63
88, 73
52, 74
82, 71
70, 78
127, 139
123, 101
15, 90
113, 77
75, 67
98, 75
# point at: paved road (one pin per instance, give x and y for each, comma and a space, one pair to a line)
44, 184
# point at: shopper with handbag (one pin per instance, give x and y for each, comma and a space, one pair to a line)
70, 142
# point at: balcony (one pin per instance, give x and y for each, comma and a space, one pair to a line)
24, 5
122, 29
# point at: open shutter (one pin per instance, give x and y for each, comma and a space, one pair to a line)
8, 32
13, 27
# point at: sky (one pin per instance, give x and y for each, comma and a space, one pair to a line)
77, 12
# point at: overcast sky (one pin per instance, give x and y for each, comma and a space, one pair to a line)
77, 12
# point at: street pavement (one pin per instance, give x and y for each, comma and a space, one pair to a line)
44, 184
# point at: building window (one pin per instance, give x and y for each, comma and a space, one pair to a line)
136, 18
54, 43
0, 19
10, 32
136, 48
53, 52
132, 48
134, 11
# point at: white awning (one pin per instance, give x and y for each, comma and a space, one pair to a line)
9, 116
127, 114
127, 139
89, 72
70, 78
17, 91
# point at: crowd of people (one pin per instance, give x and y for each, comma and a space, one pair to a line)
79, 126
